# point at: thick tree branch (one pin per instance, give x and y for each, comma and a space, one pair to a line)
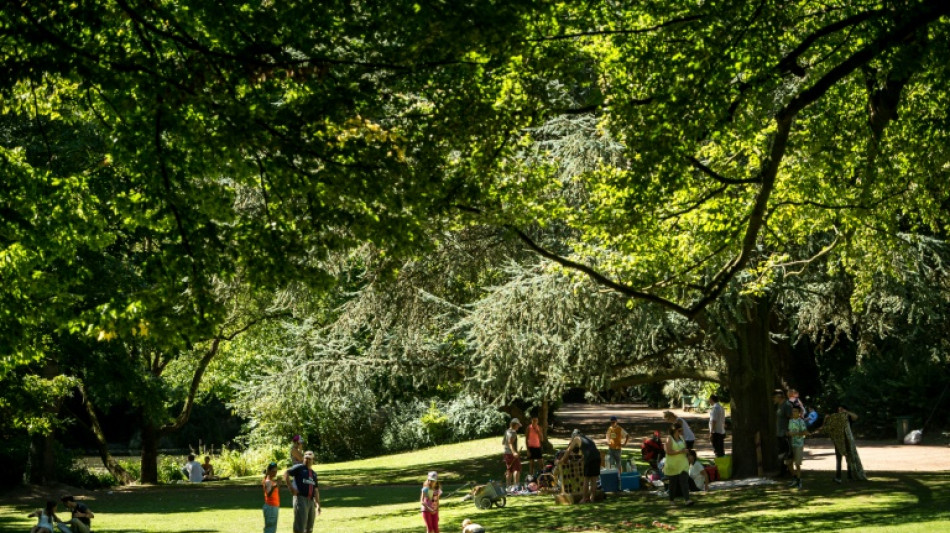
789, 63
597, 276
666, 375
719, 177
635, 31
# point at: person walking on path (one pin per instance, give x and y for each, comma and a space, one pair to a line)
838, 427
512, 457
306, 491
534, 436
676, 467
717, 426
430, 502
591, 455
617, 437
81, 520
296, 451
783, 412
271, 498
688, 436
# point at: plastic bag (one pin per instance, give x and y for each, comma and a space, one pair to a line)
914, 437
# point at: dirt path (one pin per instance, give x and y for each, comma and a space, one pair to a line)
640, 421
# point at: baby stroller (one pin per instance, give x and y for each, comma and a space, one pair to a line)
652, 450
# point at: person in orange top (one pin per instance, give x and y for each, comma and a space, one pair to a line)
617, 437
271, 498
534, 437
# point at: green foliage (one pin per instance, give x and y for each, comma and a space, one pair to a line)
169, 469
435, 424
134, 467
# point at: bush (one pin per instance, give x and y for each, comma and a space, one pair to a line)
435, 424
169, 469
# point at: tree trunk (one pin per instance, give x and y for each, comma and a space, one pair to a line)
543, 412
751, 379
113, 466
150, 435
42, 449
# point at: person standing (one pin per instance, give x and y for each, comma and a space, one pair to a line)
306, 491
676, 467
271, 498
688, 436
617, 437
80, 522
783, 412
296, 451
717, 426
591, 455
534, 436
797, 430
429, 499
512, 457
838, 427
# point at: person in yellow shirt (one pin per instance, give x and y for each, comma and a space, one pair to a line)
617, 437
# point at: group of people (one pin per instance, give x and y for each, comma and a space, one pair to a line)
793, 423
304, 485
197, 472
80, 519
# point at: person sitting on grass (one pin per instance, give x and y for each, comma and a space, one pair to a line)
698, 477
207, 470
470, 527
45, 518
193, 470
80, 522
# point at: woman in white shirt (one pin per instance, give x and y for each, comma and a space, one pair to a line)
698, 478
688, 436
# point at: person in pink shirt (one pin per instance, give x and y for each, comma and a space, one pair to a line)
534, 436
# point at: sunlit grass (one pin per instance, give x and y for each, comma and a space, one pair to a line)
381, 495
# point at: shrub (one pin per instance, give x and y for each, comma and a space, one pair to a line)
435, 424
169, 469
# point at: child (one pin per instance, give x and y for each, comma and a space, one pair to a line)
45, 518
430, 502
797, 429
698, 478
271, 499
470, 527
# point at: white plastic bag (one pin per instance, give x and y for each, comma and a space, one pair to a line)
914, 437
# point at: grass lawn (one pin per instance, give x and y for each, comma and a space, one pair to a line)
381, 495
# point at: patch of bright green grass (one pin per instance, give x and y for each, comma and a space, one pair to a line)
382, 494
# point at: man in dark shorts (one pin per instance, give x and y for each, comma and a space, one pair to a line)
591, 455
512, 457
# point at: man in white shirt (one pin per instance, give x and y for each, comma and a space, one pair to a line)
193, 470
717, 426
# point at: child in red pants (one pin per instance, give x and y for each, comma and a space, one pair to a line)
431, 490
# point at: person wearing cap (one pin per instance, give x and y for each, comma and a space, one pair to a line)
431, 491
296, 451
271, 498
591, 455
617, 437
306, 493
512, 457
80, 521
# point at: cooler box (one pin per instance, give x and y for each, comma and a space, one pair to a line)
609, 480
724, 466
630, 481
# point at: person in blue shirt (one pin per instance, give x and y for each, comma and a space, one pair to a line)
306, 493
